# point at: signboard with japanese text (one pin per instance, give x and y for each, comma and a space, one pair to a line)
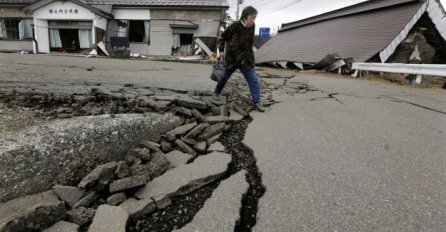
63, 10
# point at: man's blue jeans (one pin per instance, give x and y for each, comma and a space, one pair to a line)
250, 76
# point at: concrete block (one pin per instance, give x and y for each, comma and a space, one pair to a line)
127, 183
109, 218
177, 158
71, 195
186, 178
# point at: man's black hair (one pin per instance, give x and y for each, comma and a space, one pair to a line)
249, 10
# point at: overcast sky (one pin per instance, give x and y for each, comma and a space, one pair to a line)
272, 13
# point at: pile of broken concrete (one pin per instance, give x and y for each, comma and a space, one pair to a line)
145, 179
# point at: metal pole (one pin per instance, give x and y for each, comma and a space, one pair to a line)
238, 10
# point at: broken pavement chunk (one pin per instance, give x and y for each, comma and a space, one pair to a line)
97, 173
181, 130
211, 131
217, 147
157, 166
69, 194
186, 178
127, 183
188, 102
151, 145
116, 199
222, 208
185, 148
197, 130
63, 226
137, 208
200, 147
143, 154
109, 218
177, 158
31, 213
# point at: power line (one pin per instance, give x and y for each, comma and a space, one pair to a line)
282, 7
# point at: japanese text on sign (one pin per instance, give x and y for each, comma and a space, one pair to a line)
63, 11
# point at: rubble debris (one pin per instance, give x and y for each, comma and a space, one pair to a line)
145, 159
31, 213
177, 158
197, 130
87, 200
185, 148
188, 102
63, 226
81, 216
223, 208
213, 139
116, 199
97, 173
217, 147
83, 141
109, 218
157, 166
166, 146
143, 154
186, 178
122, 170
211, 131
200, 147
137, 208
127, 183
152, 146
181, 130
69, 194
203, 46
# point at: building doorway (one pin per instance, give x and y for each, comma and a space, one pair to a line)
70, 36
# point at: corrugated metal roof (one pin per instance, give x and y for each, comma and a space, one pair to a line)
18, 2
161, 3
199, 3
354, 9
360, 36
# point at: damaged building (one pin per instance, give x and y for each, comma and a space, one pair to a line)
383, 31
147, 27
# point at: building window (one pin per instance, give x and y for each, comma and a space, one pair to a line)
182, 43
15, 29
137, 31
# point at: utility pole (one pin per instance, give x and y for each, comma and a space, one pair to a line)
238, 9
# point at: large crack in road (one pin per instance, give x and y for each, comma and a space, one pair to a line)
183, 208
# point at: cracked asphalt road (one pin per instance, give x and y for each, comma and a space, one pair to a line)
354, 156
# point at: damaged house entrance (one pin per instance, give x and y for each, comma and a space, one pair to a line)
183, 33
70, 36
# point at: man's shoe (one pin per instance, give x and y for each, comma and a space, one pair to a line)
259, 107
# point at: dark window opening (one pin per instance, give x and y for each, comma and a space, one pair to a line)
10, 29
69, 39
136, 31
186, 39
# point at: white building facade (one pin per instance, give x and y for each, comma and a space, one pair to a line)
77, 26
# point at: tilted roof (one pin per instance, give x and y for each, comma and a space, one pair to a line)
360, 32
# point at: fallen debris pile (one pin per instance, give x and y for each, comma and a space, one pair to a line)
150, 175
